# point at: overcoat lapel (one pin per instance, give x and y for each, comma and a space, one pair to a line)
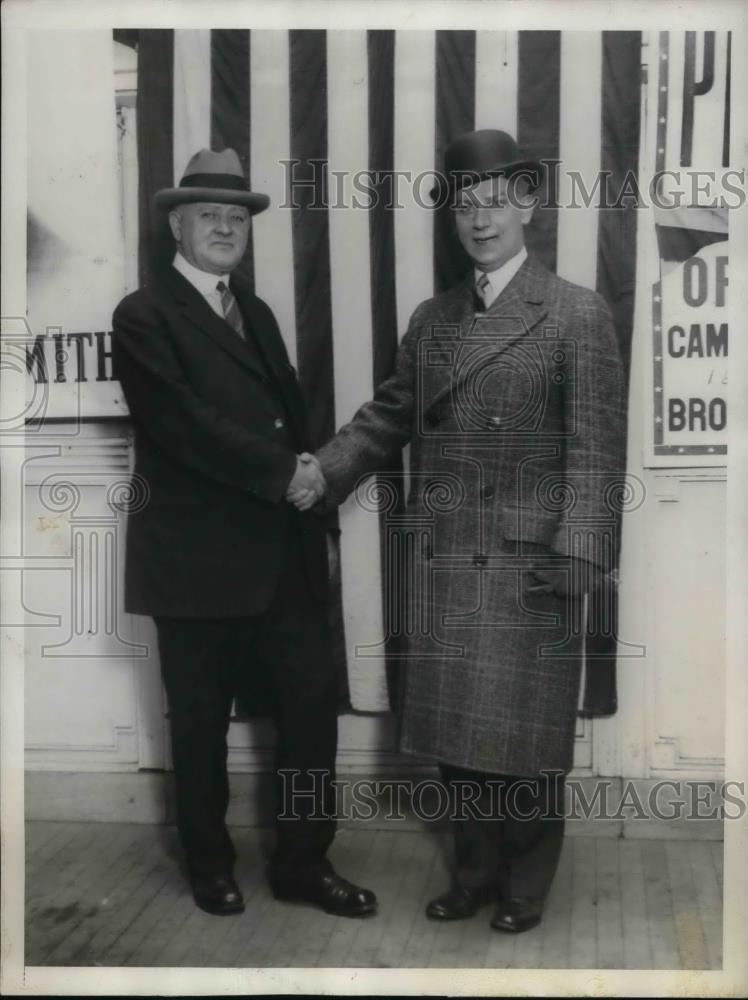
515, 312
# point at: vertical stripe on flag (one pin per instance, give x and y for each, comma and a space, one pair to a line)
191, 96
311, 246
619, 154
579, 150
414, 144
311, 260
348, 151
496, 78
415, 139
620, 100
381, 118
270, 147
538, 113
381, 74
155, 106
455, 114
230, 109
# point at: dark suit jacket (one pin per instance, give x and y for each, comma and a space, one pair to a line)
218, 423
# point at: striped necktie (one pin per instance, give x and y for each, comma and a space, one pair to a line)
231, 312
482, 292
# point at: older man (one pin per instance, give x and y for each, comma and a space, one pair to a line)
509, 389
234, 576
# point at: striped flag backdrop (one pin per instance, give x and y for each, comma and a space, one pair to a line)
344, 283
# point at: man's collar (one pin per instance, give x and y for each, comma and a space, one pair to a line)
203, 281
506, 271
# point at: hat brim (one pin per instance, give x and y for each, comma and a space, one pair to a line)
168, 197
532, 169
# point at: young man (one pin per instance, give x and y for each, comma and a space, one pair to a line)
234, 576
509, 389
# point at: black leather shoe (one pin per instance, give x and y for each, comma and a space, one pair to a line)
323, 887
459, 903
217, 894
517, 915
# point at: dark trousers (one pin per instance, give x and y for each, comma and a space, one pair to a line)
495, 847
204, 665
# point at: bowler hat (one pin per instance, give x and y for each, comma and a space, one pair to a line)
476, 156
213, 176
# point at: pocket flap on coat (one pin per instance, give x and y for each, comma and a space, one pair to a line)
528, 524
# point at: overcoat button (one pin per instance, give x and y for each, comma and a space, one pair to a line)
479, 560
487, 493
495, 421
278, 423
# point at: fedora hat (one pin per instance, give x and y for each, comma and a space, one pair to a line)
213, 176
476, 156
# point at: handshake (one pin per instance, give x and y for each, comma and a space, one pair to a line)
308, 484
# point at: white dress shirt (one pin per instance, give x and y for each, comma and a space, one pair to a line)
203, 281
500, 278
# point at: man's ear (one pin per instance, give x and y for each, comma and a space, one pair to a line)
175, 224
528, 210
524, 199
521, 197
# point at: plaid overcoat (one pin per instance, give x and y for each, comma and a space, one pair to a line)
516, 421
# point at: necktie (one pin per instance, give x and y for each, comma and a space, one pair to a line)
231, 312
483, 291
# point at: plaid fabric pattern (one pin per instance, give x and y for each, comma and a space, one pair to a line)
516, 422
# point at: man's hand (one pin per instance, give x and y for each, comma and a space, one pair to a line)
576, 577
308, 484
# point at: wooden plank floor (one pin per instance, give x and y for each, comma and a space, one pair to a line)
113, 895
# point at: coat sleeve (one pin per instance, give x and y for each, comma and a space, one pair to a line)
379, 429
595, 435
189, 429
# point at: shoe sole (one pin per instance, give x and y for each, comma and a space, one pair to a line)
366, 911
459, 916
515, 930
223, 911
452, 918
